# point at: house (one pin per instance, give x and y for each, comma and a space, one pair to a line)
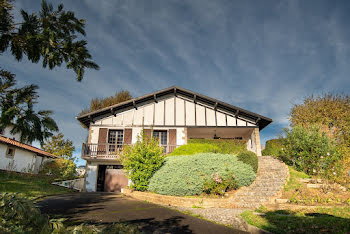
20, 157
172, 115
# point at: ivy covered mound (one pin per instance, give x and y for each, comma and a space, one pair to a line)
186, 175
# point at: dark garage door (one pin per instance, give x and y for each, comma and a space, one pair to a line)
115, 179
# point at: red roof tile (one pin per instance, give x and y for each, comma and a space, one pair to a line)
26, 147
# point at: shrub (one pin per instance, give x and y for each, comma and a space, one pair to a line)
62, 169
218, 185
186, 175
249, 158
224, 146
19, 215
195, 148
311, 151
273, 148
141, 161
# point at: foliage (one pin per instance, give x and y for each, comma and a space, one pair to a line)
49, 35
224, 146
249, 158
311, 220
294, 182
311, 151
218, 185
19, 215
17, 111
62, 169
332, 113
99, 103
186, 175
273, 147
29, 185
141, 161
194, 148
60, 147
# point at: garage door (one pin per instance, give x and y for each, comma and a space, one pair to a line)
115, 179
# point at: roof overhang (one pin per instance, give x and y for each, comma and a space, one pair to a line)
260, 120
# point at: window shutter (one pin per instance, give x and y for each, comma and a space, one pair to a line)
172, 137
147, 133
128, 136
102, 140
172, 140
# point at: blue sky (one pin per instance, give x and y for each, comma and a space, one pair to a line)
263, 56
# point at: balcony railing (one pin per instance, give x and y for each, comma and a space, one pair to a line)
111, 151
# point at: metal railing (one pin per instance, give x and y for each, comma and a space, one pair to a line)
111, 151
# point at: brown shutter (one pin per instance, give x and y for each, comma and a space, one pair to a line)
127, 136
147, 133
172, 140
172, 136
102, 140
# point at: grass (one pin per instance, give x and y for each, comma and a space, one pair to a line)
294, 182
316, 220
31, 186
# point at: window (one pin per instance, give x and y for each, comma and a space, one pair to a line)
115, 139
162, 136
10, 152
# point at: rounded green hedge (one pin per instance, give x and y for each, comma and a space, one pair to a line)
186, 175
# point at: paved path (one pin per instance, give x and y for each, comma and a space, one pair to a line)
108, 208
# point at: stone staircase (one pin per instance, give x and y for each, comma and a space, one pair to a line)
268, 185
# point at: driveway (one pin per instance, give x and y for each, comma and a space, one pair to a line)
109, 208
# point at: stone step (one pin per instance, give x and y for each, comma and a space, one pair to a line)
271, 177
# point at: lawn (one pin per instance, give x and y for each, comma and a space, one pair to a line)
293, 182
315, 220
32, 186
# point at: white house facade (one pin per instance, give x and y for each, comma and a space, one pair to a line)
173, 116
19, 157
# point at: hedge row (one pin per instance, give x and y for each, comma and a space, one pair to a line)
186, 175
222, 146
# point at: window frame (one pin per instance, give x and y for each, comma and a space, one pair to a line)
13, 151
112, 147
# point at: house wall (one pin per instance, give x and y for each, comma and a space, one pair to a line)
172, 111
92, 173
136, 132
22, 161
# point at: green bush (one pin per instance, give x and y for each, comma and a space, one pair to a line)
311, 151
218, 185
224, 146
60, 169
141, 161
186, 175
249, 158
19, 215
195, 148
273, 147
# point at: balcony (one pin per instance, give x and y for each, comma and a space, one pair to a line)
111, 151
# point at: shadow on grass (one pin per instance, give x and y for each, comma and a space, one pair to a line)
282, 221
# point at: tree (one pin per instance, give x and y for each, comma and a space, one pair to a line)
58, 146
17, 111
50, 36
332, 113
99, 103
